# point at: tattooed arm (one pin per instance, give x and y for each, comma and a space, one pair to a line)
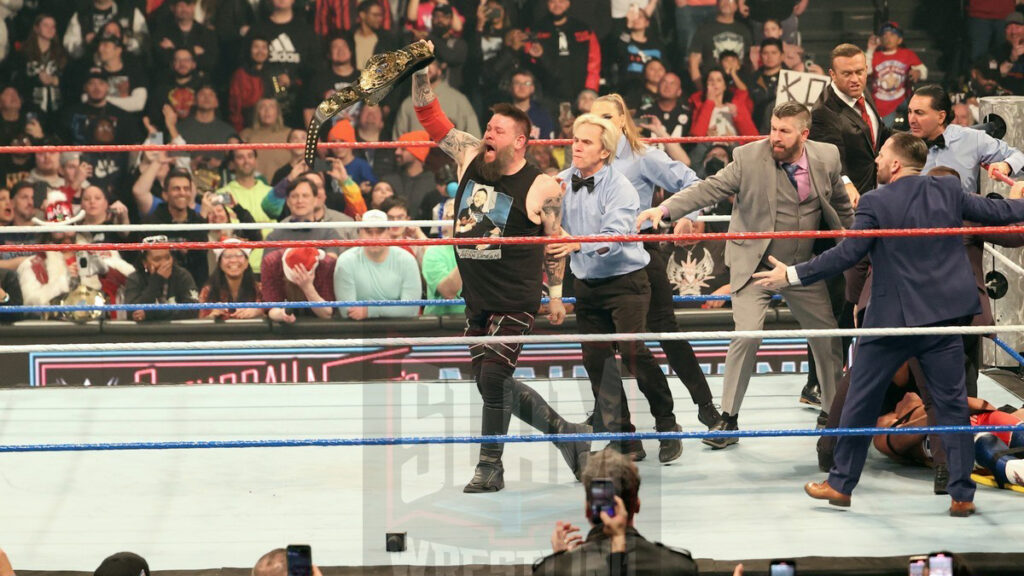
555, 255
459, 145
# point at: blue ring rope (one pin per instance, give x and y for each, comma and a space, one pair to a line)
410, 440
1008, 349
297, 305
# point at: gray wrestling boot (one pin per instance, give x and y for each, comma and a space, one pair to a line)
530, 407
490, 474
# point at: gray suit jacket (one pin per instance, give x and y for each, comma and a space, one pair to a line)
751, 179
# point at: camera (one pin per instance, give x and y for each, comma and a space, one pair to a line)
782, 568
602, 497
492, 13
89, 264
300, 560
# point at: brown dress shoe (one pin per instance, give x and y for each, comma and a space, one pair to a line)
823, 491
962, 509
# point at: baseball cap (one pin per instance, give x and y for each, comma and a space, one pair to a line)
374, 216
890, 26
1015, 18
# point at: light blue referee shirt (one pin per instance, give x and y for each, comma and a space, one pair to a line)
966, 149
610, 209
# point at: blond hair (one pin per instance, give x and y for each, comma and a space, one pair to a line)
609, 134
629, 129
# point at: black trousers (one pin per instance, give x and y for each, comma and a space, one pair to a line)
661, 317
620, 305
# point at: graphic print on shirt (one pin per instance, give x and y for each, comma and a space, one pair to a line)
282, 50
891, 80
482, 213
691, 271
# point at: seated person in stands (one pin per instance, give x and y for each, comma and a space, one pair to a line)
158, 279
231, 281
48, 277
178, 206
99, 210
300, 198
298, 275
440, 271
398, 211
721, 110
613, 545
381, 191
377, 273
341, 193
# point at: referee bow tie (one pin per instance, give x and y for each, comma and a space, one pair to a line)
940, 142
578, 183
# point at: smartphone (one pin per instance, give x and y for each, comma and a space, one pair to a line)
917, 565
602, 497
156, 138
300, 560
223, 198
31, 117
940, 564
782, 568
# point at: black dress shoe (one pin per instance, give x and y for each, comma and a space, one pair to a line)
671, 449
708, 414
489, 477
811, 395
575, 453
822, 419
725, 422
941, 479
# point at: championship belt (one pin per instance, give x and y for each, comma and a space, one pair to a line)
379, 76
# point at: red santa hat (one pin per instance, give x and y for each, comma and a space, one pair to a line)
58, 209
308, 258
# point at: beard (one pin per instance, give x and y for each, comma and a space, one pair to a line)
493, 171
786, 154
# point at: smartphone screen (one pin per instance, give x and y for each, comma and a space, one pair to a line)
300, 560
940, 565
916, 567
602, 497
782, 568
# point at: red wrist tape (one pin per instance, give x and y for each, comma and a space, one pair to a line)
434, 120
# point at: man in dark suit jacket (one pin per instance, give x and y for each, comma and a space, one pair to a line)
613, 546
924, 281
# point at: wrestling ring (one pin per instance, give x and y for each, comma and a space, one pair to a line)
205, 476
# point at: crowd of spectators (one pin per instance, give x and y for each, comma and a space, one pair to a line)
88, 72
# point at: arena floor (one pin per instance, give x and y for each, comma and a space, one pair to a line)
189, 509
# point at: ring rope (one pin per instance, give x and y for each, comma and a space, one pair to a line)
1008, 349
508, 439
525, 339
224, 147
515, 240
1002, 258
252, 226
297, 305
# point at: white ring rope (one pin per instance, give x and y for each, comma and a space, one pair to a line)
529, 339
1006, 261
247, 226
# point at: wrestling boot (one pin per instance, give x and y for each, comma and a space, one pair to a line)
530, 407
726, 422
811, 395
671, 449
708, 414
490, 474
632, 449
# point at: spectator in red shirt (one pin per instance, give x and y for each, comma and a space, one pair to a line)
298, 275
249, 84
720, 110
894, 69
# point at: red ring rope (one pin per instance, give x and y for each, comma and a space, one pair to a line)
886, 233
299, 146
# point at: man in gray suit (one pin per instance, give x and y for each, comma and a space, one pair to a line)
781, 184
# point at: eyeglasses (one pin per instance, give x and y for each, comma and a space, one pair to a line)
154, 239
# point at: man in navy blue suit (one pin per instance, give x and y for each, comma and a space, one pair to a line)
919, 281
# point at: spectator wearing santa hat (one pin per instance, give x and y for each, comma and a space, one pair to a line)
48, 276
358, 169
158, 279
231, 281
298, 275
377, 273
413, 181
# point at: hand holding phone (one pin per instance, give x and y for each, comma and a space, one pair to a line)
300, 560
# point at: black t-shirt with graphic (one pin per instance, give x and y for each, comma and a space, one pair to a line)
498, 278
714, 37
676, 121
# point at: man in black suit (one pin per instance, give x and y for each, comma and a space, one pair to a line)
846, 116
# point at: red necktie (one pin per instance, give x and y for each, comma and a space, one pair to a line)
867, 119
